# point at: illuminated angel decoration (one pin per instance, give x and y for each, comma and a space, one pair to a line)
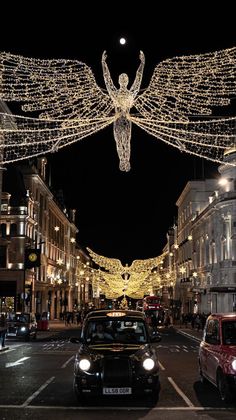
174, 108
134, 280
114, 265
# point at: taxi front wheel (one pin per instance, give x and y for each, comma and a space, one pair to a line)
223, 387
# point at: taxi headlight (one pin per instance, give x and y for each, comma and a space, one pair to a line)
234, 364
23, 328
148, 364
84, 364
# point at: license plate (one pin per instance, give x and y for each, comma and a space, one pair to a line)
117, 391
11, 334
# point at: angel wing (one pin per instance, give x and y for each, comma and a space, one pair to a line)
140, 266
189, 85
182, 88
113, 265
57, 88
65, 92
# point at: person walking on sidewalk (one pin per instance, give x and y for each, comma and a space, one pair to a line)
3, 330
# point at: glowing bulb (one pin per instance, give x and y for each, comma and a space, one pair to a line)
122, 41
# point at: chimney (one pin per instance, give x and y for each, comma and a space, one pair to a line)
41, 164
72, 215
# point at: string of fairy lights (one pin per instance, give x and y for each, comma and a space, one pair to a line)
176, 107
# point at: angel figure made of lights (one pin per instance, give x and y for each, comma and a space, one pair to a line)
135, 280
176, 106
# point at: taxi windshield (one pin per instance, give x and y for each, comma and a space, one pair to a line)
18, 317
115, 331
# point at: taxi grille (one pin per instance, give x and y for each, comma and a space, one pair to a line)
116, 372
12, 329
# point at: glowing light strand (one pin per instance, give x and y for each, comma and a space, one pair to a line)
71, 106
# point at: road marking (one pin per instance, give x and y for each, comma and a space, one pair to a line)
189, 336
185, 398
161, 366
17, 363
7, 351
36, 393
68, 361
99, 408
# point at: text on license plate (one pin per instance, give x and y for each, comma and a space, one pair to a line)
117, 391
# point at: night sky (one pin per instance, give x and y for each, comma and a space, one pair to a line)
121, 215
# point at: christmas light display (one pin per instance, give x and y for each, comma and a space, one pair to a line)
174, 108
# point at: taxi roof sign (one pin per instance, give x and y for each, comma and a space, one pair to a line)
116, 314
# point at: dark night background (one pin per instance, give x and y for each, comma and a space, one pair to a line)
121, 215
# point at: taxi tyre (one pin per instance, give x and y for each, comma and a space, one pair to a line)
80, 397
223, 387
155, 392
28, 337
203, 380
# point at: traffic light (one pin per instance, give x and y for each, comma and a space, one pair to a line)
32, 258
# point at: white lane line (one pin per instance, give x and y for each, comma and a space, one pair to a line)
110, 408
6, 351
36, 393
68, 361
161, 366
185, 398
17, 362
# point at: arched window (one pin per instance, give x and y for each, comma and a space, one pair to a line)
212, 252
223, 248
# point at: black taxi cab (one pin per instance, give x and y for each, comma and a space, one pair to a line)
21, 325
116, 355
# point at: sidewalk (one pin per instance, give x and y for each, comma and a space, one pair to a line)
56, 326
189, 332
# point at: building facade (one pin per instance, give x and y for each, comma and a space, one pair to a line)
202, 247
35, 220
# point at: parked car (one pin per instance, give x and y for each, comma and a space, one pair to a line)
116, 355
217, 354
21, 325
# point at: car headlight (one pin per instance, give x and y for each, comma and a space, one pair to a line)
234, 364
23, 328
148, 364
84, 364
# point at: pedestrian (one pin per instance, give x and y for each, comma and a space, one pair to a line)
3, 330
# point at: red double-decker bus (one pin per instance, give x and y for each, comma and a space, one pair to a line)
153, 310
151, 302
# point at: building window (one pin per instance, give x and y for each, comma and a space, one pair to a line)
3, 230
224, 255
212, 252
3, 256
13, 229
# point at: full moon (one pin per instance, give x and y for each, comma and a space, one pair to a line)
122, 41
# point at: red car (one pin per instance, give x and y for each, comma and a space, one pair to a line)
217, 354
